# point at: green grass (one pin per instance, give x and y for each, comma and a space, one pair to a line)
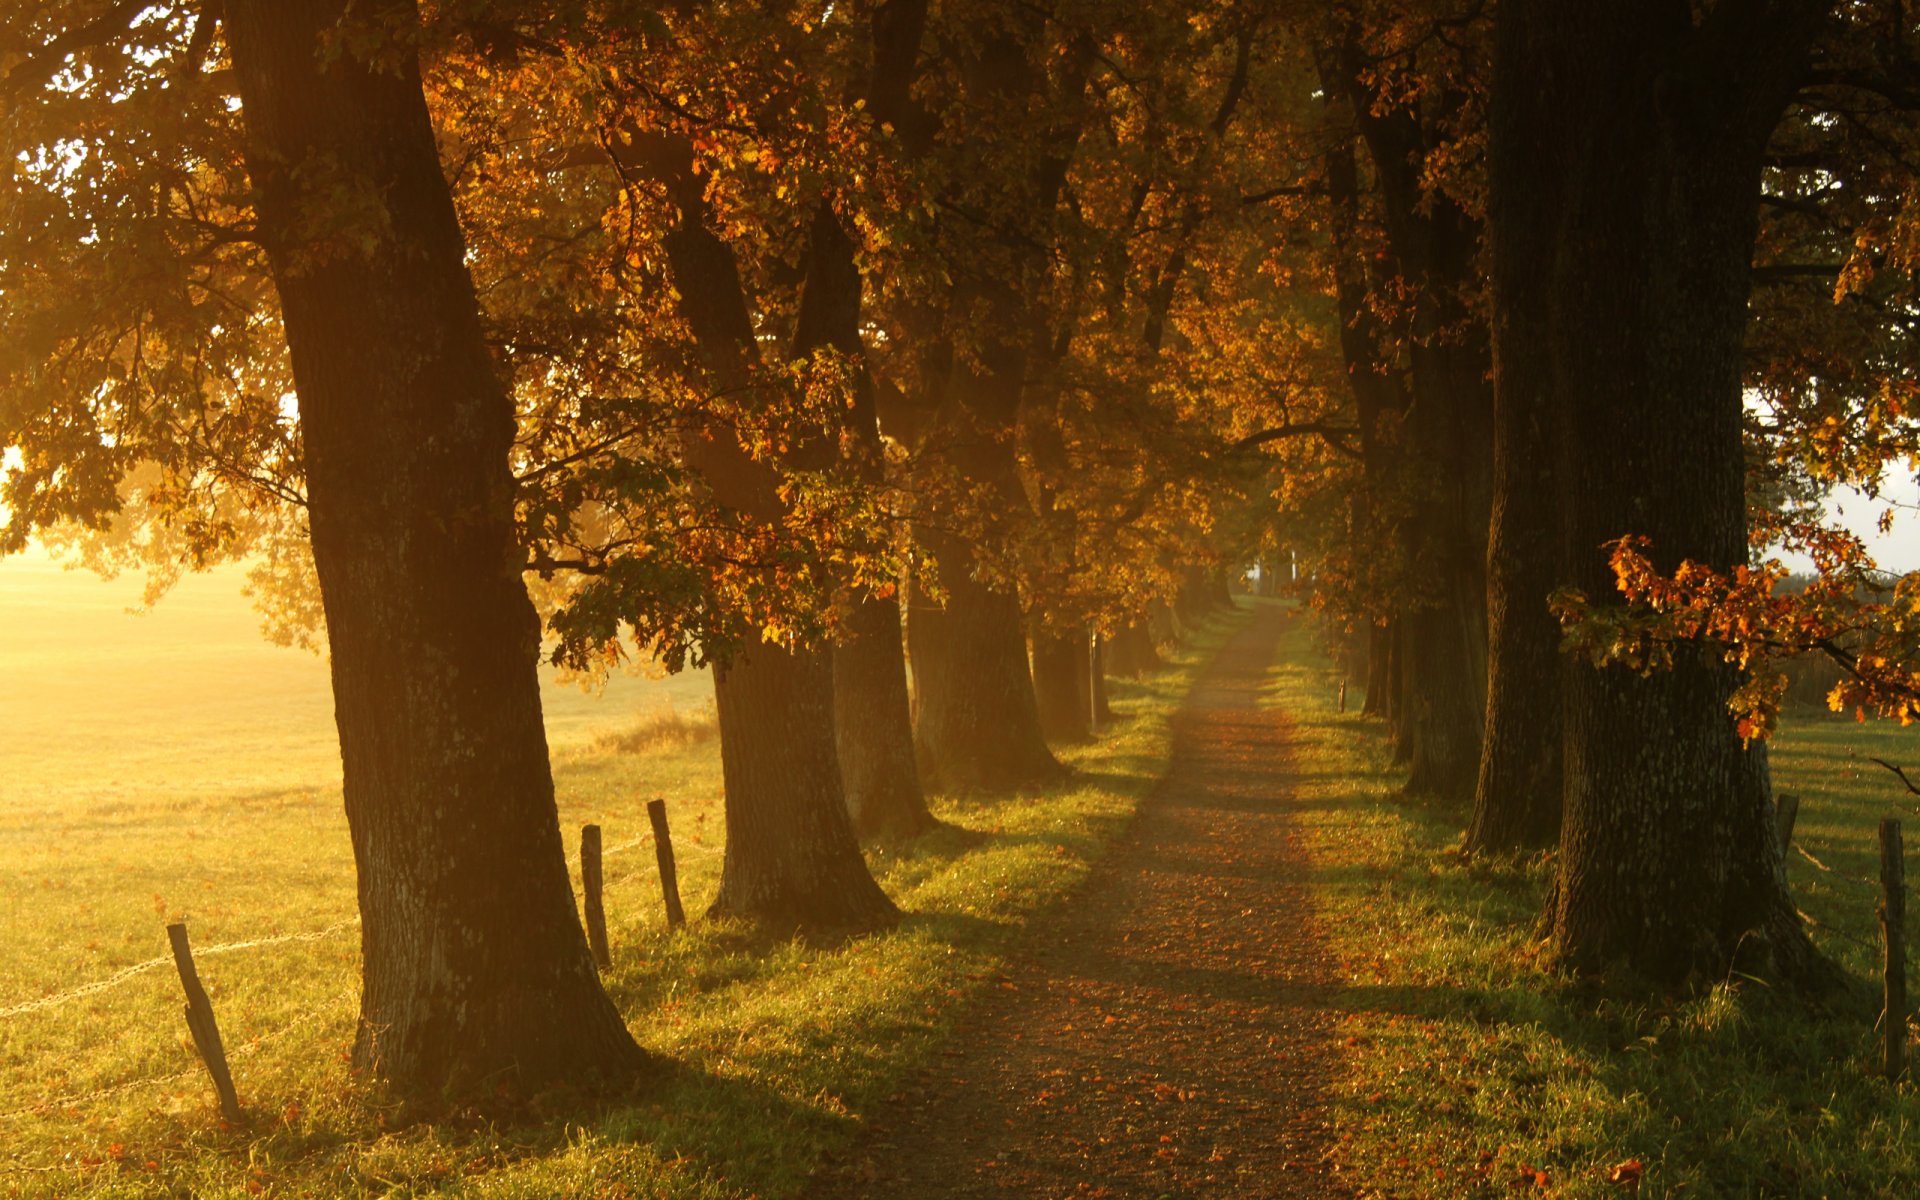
1470, 1071
771, 1047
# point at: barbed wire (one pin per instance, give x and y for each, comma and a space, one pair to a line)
1835, 931
128, 974
1861, 880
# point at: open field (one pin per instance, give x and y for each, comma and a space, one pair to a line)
768, 1047
99, 704
1472, 1072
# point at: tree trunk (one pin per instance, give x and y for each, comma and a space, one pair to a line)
1396, 714
1379, 667
873, 725
1668, 862
976, 721
1518, 795
1163, 628
1220, 589
1444, 697
1133, 652
1434, 244
791, 858
1061, 678
476, 973
1194, 599
976, 718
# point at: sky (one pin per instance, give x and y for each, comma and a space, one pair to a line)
1897, 550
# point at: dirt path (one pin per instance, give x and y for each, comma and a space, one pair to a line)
1163, 1038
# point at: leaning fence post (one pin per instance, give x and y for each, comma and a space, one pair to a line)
1343, 695
663, 850
200, 1023
590, 883
1893, 913
1786, 810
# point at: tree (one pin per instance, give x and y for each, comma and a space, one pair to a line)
976, 716
1667, 859
872, 715
1414, 108
476, 973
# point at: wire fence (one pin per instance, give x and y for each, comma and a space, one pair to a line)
1870, 885
66, 1104
128, 974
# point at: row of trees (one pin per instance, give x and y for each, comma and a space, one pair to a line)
716, 333
1622, 292
747, 334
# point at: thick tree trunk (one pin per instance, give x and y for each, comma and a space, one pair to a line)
1131, 653
791, 858
1061, 678
1399, 723
1163, 628
1220, 589
476, 972
975, 717
1668, 864
873, 724
1444, 696
1195, 598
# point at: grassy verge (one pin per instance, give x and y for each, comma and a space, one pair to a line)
773, 1047
1471, 1072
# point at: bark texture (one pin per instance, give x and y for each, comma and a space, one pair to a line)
476, 972
976, 717
873, 724
1658, 120
1131, 653
791, 857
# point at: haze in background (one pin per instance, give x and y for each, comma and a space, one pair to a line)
99, 704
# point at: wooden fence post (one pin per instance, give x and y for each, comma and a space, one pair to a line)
590, 884
1343, 695
1786, 810
663, 850
1893, 913
200, 1023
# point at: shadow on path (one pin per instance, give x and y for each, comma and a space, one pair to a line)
1168, 1034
